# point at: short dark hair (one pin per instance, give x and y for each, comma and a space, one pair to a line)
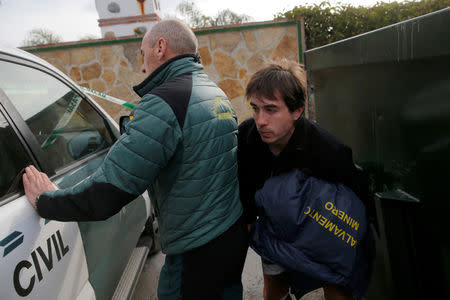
285, 77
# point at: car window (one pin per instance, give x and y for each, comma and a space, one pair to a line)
65, 125
13, 159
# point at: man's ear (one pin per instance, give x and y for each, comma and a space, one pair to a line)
161, 48
298, 112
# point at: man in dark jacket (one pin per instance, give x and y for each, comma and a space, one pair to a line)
278, 139
181, 146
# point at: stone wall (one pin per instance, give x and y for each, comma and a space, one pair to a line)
230, 55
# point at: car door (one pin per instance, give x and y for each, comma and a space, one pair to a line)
38, 258
66, 136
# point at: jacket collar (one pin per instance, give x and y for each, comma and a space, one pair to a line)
298, 140
173, 67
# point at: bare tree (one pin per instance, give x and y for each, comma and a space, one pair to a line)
41, 36
227, 16
88, 37
195, 18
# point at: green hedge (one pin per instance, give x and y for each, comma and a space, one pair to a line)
325, 24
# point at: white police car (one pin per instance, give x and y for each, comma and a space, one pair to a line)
47, 121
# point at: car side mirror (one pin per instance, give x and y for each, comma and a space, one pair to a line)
85, 142
123, 121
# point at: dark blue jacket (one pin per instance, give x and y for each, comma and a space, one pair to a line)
316, 228
311, 149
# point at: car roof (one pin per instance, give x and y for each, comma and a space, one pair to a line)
30, 57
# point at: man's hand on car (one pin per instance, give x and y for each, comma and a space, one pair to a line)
35, 183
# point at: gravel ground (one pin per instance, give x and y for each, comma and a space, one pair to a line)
252, 279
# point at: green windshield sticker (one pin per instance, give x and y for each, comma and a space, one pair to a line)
65, 119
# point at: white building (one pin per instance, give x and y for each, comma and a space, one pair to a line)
127, 17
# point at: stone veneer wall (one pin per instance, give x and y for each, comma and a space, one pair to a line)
230, 55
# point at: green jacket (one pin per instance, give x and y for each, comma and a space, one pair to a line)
181, 145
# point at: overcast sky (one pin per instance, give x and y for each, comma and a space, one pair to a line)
75, 19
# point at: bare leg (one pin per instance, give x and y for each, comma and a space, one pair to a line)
275, 286
332, 292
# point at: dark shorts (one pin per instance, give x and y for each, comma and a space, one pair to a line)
212, 271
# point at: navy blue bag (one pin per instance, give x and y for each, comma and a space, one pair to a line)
315, 228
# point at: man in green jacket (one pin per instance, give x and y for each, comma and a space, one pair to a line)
180, 145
